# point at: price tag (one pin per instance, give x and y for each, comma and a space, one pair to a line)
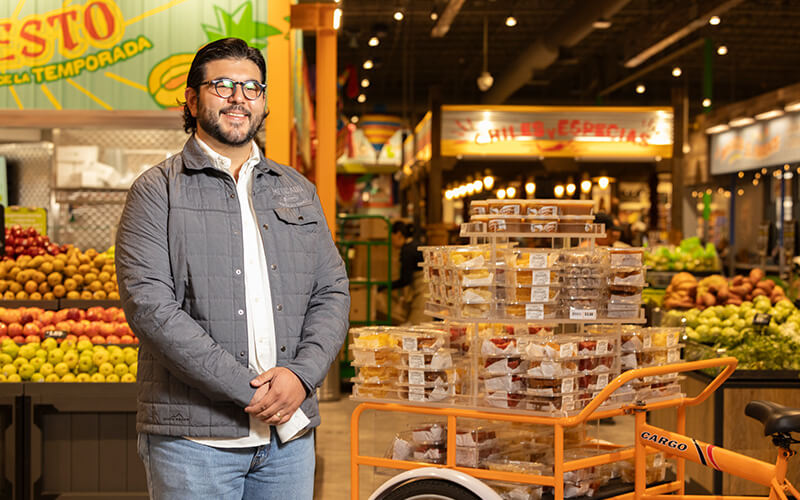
672, 339
61, 335
647, 341
540, 293
538, 260
409, 343
416, 377
602, 380
567, 402
761, 319
673, 355
416, 396
602, 346
582, 314
541, 277
510, 209
567, 385
534, 311
567, 350
416, 360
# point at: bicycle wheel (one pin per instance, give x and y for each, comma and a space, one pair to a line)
430, 489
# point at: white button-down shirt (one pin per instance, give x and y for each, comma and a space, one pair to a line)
258, 302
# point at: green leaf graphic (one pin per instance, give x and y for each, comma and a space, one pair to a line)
240, 24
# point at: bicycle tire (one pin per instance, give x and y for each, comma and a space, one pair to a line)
430, 489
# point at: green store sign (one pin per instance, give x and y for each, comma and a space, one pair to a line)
114, 54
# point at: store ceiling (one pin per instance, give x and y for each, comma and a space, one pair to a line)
762, 37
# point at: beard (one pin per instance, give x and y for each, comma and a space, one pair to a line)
210, 121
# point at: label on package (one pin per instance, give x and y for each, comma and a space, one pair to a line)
602, 347
541, 277
540, 293
673, 356
497, 225
538, 260
582, 314
602, 380
416, 377
658, 460
534, 311
416, 360
409, 343
567, 350
647, 342
416, 396
567, 402
567, 385
626, 259
672, 339
509, 209
365, 357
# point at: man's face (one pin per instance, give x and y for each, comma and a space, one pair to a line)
233, 121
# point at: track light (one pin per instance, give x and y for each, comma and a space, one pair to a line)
558, 191
501, 194
511, 191
586, 186
530, 187
488, 182
706, 102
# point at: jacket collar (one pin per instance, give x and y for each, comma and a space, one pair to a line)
194, 158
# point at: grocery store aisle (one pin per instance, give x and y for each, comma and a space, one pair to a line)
377, 431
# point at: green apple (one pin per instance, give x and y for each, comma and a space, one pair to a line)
100, 357
69, 377
71, 359
112, 378
28, 351
98, 377
46, 369
41, 353
37, 377
3, 378
83, 377
9, 370
116, 356
85, 364
128, 377
5, 359
105, 369
37, 363
121, 369
52, 378
61, 369
19, 362
25, 371
84, 345
66, 345
99, 347
133, 368
131, 355
55, 356
10, 348
14, 377
49, 344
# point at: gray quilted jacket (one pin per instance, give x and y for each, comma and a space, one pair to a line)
179, 265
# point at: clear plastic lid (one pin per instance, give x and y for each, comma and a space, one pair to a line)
363, 356
575, 280
508, 345
556, 347
372, 336
376, 374
533, 311
522, 294
376, 391
468, 256
427, 378
429, 433
584, 257
425, 394
632, 277
505, 207
626, 257
478, 436
574, 207
440, 359
553, 368
535, 277
531, 258
502, 365
554, 386
421, 340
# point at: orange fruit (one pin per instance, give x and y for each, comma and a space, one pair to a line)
54, 279
113, 295
36, 296
14, 272
70, 284
99, 295
73, 295
95, 286
44, 287
89, 277
58, 265
86, 295
84, 268
109, 286
21, 295
46, 267
49, 296
109, 268
59, 291
70, 270
31, 286
3, 286
9, 295
78, 278
39, 276
14, 287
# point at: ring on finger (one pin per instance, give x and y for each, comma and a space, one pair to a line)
278, 414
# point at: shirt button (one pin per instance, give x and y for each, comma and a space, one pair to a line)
283, 348
238, 272
241, 312
266, 226
280, 307
241, 354
232, 195
273, 267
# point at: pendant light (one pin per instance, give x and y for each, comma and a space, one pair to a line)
486, 80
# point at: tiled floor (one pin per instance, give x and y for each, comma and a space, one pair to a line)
377, 431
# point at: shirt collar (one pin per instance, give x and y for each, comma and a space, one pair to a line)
221, 162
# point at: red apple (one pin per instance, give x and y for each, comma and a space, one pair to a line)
3, 337
47, 317
32, 339
120, 316
84, 337
107, 329
12, 316
30, 329
14, 329
63, 325
136, 340
19, 339
75, 314
3, 330
36, 312
60, 315
98, 339
113, 339
78, 327
122, 329
94, 313
126, 339
93, 328
110, 314
72, 337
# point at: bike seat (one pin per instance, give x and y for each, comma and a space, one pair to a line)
776, 418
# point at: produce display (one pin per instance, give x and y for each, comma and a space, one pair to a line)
760, 334
686, 292
68, 361
689, 255
72, 274
96, 324
27, 241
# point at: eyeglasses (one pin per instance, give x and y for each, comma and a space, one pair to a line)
225, 88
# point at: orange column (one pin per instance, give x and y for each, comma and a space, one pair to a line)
279, 86
325, 167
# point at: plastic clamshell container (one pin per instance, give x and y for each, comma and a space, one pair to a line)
575, 280
478, 207
467, 256
431, 433
426, 377
476, 295
477, 277
502, 399
584, 309
626, 257
540, 386
506, 345
542, 225
419, 340
623, 311
625, 294
655, 473
541, 208
430, 453
440, 359
535, 277
532, 311
375, 374
597, 364
640, 339
557, 347
599, 344
597, 272
513, 384
595, 382
490, 330
515, 491
632, 276
644, 358
528, 294
502, 365
364, 356
553, 368
574, 207
657, 391
521, 466
422, 393
386, 390
572, 293
583, 257
530, 258
553, 405
505, 207
480, 436
433, 255
664, 337
372, 337
474, 456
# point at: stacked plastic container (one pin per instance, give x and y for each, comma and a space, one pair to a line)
538, 217
583, 274
626, 280
531, 284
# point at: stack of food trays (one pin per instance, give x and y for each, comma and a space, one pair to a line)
626, 280
426, 442
475, 444
530, 288
646, 347
501, 367
537, 217
656, 470
584, 288
375, 358
427, 371
462, 277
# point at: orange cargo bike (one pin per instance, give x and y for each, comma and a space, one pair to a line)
449, 481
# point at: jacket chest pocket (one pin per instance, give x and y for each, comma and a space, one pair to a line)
303, 219
294, 232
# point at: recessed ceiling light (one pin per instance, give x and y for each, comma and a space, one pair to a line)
374, 41
398, 15
677, 71
365, 82
601, 24
716, 129
434, 16
722, 50
741, 121
354, 119
368, 64
640, 89
792, 106
772, 113
706, 102
714, 20
362, 98
511, 21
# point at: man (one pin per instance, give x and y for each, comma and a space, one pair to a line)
229, 276
613, 231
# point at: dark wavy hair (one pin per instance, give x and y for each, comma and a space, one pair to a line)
225, 48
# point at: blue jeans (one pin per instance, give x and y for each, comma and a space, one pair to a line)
177, 468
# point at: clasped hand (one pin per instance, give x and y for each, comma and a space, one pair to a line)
278, 395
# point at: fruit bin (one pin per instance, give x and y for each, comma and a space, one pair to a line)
93, 425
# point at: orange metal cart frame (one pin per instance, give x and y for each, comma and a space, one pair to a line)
590, 412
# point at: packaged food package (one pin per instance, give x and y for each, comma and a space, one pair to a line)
522, 294
653, 356
601, 344
594, 280
506, 345
422, 341
594, 382
534, 311
440, 359
597, 364
574, 207
372, 337
433, 255
656, 469
557, 406
386, 390
664, 337
479, 311
516, 491
468, 257
477, 295
505, 207
555, 347
626, 257
478, 207
474, 277
657, 391
376, 374
402, 447
502, 399
555, 386
625, 294
553, 368
425, 393
476, 436
579, 228
584, 258
502, 365
623, 311
584, 309
426, 377
473, 456
430, 453
537, 225
631, 276
429, 433
535, 277
381, 356
530, 258
512, 384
